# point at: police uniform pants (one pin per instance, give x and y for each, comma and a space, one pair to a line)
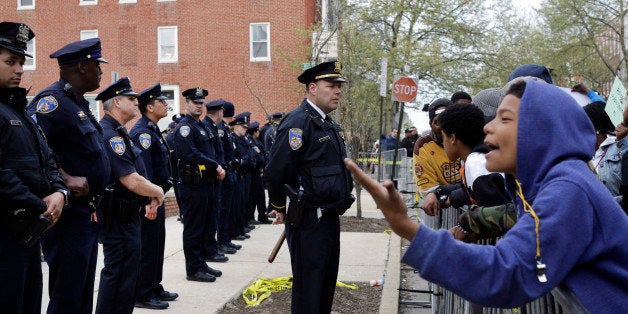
213, 209
71, 251
226, 204
314, 253
152, 256
121, 245
20, 276
194, 201
239, 203
258, 198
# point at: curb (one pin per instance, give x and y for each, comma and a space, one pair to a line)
390, 294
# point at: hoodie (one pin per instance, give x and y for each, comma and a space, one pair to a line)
582, 230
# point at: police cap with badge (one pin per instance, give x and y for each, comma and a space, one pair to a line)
148, 95
196, 94
215, 104
15, 36
328, 71
253, 127
241, 119
83, 50
121, 87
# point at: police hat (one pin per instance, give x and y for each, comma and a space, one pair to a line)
14, 36
246, 116
171, 125
229, 109
239, 120
276, 115
88, 49
150, 94
253, 127
328, 71
177, 117
196, 94
215, 104
121, 87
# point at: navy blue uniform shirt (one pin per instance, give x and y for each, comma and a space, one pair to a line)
193, 144
154, 150
73, 133
228, 141
28, 171
308, 152
216, 142
124, 156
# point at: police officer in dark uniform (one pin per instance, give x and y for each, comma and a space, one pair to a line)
71, 247
197, 172
130, 193
308, 156
156, 157
173, 159
243, 152
258, 197
268, 136
32, 192
213, 119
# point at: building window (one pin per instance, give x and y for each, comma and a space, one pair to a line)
172, 92
94, 106
167, 51
260, 41
88, 2
328, 14
25, 4
29, 63
128, 1
166, 0
89, 33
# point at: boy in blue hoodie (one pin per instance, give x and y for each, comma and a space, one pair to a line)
569, 231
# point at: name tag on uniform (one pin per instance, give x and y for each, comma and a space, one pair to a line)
322, 139
16, 122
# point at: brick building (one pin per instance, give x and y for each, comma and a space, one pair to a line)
249, 52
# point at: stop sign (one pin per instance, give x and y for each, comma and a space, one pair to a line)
404, 89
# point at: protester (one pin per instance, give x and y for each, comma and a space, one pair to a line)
570, 230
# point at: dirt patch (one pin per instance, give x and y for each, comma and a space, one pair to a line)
354, 224
364, 300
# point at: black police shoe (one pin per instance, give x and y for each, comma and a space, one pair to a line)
239, 238
202, 276
167, 296
217, 258
213, 272
246, 229
253, 222
247, 236
235, 246
152, 304
265, 222
225, 249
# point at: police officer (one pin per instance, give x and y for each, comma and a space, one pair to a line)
156, 157
131, 192
269, 135
308, 156
197, 171
71, 247
30, 182
173, 159
213, 119
258, 198
243, 185
230, 185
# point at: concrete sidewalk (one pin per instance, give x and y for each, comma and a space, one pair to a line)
364, 256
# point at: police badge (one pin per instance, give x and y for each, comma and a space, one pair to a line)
47, 104
117, 144
295, 138
184, 130
145, 140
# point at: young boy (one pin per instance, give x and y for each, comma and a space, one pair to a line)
570, 230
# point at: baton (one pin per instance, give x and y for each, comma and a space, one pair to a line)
278, 245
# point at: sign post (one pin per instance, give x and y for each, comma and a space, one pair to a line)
404, 89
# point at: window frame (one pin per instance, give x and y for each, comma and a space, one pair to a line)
88, 2
252, 57
33, 52
174, 103
160, 57
25, 7
85, 31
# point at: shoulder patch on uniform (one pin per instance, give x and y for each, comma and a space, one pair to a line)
47, 104
184, 130
221, 133
81, 114
145, 140
295, 138
117, 144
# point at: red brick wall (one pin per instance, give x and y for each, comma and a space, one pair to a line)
213, 45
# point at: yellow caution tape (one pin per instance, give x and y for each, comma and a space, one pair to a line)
388, 231
262, 288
